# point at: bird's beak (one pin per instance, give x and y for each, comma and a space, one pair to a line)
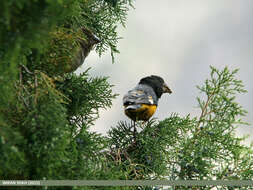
96, 39
166, 89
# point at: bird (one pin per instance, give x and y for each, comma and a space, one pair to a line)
86, 46
140, 103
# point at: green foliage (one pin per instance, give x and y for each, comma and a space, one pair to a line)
64, 43
46, 139
148, 153
24, 25
46, 35
86, 96
45, 114
106, 15
203, 148
62, 48
46, 110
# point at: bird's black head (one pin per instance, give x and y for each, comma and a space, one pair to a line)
157, 83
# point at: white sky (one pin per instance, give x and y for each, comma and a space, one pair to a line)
178, 40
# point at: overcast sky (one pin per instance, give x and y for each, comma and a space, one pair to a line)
178, 40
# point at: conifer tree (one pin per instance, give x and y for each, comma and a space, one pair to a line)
186, 148
46, 110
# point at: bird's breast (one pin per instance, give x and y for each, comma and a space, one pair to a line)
140, 112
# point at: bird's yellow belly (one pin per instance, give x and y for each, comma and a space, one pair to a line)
143, 113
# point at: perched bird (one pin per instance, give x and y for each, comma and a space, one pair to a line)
85, 48
141, 102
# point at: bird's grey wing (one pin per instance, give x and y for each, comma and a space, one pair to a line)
137, 96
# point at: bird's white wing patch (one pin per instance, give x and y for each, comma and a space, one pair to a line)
150, 99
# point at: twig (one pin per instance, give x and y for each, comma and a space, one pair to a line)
204, 110
26, 69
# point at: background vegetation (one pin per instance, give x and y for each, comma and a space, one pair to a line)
46, 110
